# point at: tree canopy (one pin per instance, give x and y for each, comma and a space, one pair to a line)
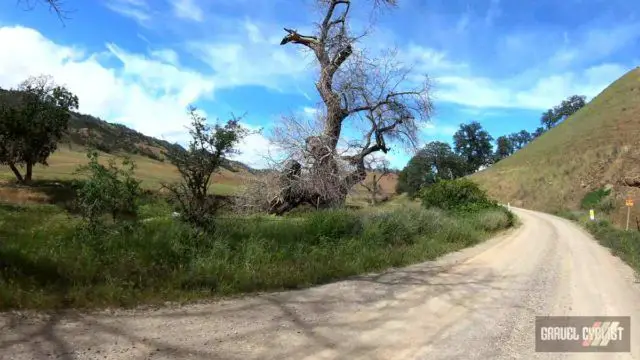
559, 113
33, 118
473, 143
504, 147
436, 161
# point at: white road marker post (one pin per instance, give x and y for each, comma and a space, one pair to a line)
592, 215
629, 204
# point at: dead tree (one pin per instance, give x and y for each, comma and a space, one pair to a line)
378, 168
375, 94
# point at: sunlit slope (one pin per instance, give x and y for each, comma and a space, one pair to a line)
598, 145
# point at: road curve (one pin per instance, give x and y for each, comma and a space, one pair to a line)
479, 303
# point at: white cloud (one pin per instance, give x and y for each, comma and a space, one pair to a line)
433, 129
146, 94
536, 95
187, 9
256, 150
253, 58
166, 55
138, 10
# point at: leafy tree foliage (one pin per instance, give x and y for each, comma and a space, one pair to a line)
109, 190
559, 113
473, 143
504, 148
33, 118
458, 194
520, 139
539, 131
436, 161
207, 153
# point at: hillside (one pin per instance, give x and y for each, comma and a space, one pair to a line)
117, 140
596, 147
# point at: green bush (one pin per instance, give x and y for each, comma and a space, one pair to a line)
598, 199
108, 190
459, 194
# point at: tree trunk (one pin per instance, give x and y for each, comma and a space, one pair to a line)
16, 172
29, 174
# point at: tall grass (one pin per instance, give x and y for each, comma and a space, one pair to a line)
624, 244
47, 261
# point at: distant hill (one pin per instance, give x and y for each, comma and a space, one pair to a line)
596, 147
117, 138
112, 138
152, 167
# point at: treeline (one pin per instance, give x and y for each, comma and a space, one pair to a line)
473, 149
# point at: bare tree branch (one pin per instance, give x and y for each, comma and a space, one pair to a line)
374, 93
56, 6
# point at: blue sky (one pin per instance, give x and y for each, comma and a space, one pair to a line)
141, 62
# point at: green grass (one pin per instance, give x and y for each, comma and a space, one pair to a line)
595, 146
47, 262
152, 173
624, 244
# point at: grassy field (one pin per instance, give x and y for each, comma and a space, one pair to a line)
596, 146
152, 173
49, 262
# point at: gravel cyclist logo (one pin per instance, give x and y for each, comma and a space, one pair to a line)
583, 334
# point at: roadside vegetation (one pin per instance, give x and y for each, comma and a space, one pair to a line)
624, 244
108, 238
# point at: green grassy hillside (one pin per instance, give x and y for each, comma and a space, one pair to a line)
596, 147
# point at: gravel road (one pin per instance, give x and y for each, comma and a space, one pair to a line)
479, 303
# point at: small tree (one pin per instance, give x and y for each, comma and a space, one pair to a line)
520, 139
504, 148
378, 170
109, 190
539, 131
207, 152
436, 161
33, 118
561, 112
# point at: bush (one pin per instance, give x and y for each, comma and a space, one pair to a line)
494, 220
598, 199
458, 194
108, 190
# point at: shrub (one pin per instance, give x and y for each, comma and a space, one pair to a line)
458, 194
596, 200
207, 153
494, 220
108, 190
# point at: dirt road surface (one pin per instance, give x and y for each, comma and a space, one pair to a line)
476, 304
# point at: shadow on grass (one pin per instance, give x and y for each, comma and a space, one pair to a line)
61, 193
41, 273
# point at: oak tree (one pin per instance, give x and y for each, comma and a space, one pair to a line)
33, 118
